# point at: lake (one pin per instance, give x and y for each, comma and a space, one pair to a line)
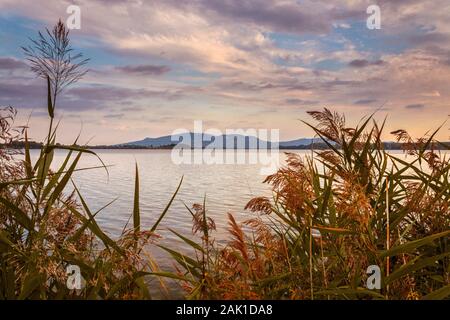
228, 188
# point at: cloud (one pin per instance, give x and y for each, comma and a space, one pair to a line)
279, 16
114, 116
145, 70
295, 101
415, 106
132, 109
331, 84
30, 95
111, 93
11, 64
428, 38
362, 63
244, 55
22, 95
365, 101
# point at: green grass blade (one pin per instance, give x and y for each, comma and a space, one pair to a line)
413, 245
188, 241
49, 99
18, 215
413, 266
438, 294
136, 212
166, 208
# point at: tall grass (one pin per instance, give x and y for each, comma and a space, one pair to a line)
44, 229
332, 215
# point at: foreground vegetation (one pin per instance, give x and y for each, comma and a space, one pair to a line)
332, 215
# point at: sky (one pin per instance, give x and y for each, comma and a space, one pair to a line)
157, 66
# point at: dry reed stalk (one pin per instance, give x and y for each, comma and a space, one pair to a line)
323, 266
387, 233
310, 260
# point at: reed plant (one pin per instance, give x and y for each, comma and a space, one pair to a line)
46, 226
334, 214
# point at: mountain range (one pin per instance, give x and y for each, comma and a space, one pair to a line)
199, 140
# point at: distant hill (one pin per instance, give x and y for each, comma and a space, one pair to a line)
246, 142
198, 140
163, 141
300, 142
238, 142
234, 141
